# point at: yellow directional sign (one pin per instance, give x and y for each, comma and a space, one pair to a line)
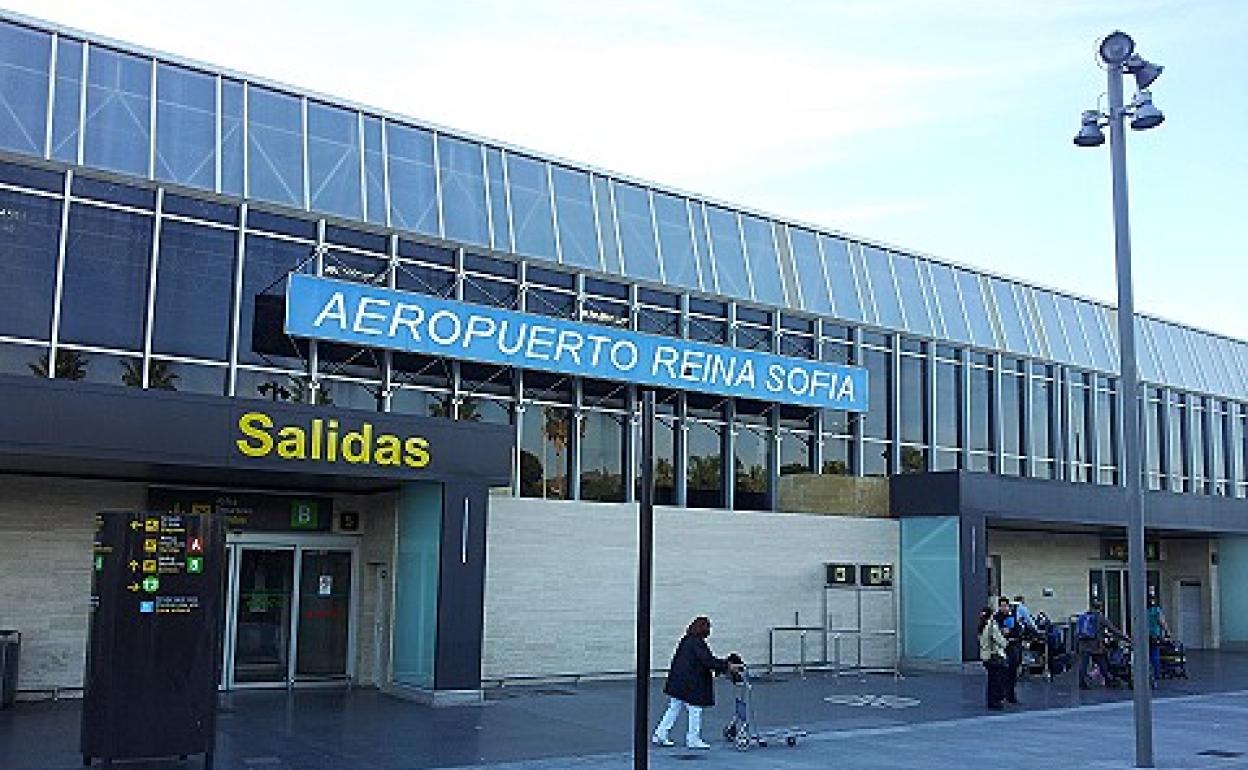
149, 565
134, 564
151, 525
135, 524
149, 545
133, 588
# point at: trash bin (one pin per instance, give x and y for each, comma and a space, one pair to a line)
10, 652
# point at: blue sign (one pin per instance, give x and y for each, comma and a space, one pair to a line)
373, 316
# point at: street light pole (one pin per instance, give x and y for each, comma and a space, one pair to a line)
645, 583
1129, 390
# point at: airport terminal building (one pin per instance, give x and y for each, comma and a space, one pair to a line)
405, 364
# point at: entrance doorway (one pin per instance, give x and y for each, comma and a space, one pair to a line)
290, 610
1110, 586
1191, 625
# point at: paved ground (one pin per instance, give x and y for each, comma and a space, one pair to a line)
925, 720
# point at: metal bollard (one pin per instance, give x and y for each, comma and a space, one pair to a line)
801, 666
836, 654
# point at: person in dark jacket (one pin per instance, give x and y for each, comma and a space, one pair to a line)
1013, 632
689, 684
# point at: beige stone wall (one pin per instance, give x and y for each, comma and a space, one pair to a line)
46, 530
376, 574
561, 581
1033, 561
834, 495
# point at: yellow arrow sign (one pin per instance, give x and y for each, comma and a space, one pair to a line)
134, 565
133, 588
136, 524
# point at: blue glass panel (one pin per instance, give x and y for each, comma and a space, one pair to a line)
606, 225
232, 137
374, 171
1147, 327
841, 276
530, 207
24, 58
1144, 354
702, 245
727, 252
1216, 365
1183, 345
67, 100
266, 264
498, 200
119, 97
186, 127
912, 295
931, 585
976, 309
194, 289
1109, 320
334, 161
31, 228
463, 191
675, 240
1231, 379
1079, 351
950, 303
1097, 343
1165, 351
1054, 334
1011, 318
636, 232
105, 289
274, 147
760, 248
887, 305
574, 202
413, 189
810, 271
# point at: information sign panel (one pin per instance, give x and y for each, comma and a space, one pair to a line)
154, 648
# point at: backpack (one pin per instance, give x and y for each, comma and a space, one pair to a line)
1087, 626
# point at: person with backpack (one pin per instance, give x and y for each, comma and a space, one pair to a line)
1090, 631
1012, 630
992, 646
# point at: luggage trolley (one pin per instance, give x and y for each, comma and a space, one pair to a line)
743, 730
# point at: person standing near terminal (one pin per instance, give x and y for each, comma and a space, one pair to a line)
689, 684
992, 646
1158, 630
1012, 630
1023, 614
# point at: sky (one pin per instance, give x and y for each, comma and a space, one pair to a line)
938, 126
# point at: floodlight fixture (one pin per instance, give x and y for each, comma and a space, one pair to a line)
1144, 71
1090, 134
1116, 48
1146, 115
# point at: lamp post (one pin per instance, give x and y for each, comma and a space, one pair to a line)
1117, 52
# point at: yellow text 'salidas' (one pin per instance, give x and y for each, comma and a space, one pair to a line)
324, 441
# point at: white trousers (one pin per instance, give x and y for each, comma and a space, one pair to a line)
674, 706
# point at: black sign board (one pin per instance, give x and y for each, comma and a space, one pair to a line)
879, 575
248, 511
841, 574
153, 653
1116, 550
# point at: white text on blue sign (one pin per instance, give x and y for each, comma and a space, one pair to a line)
372, 316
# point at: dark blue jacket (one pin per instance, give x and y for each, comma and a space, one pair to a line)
690, 676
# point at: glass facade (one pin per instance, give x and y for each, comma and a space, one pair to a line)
152, 286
